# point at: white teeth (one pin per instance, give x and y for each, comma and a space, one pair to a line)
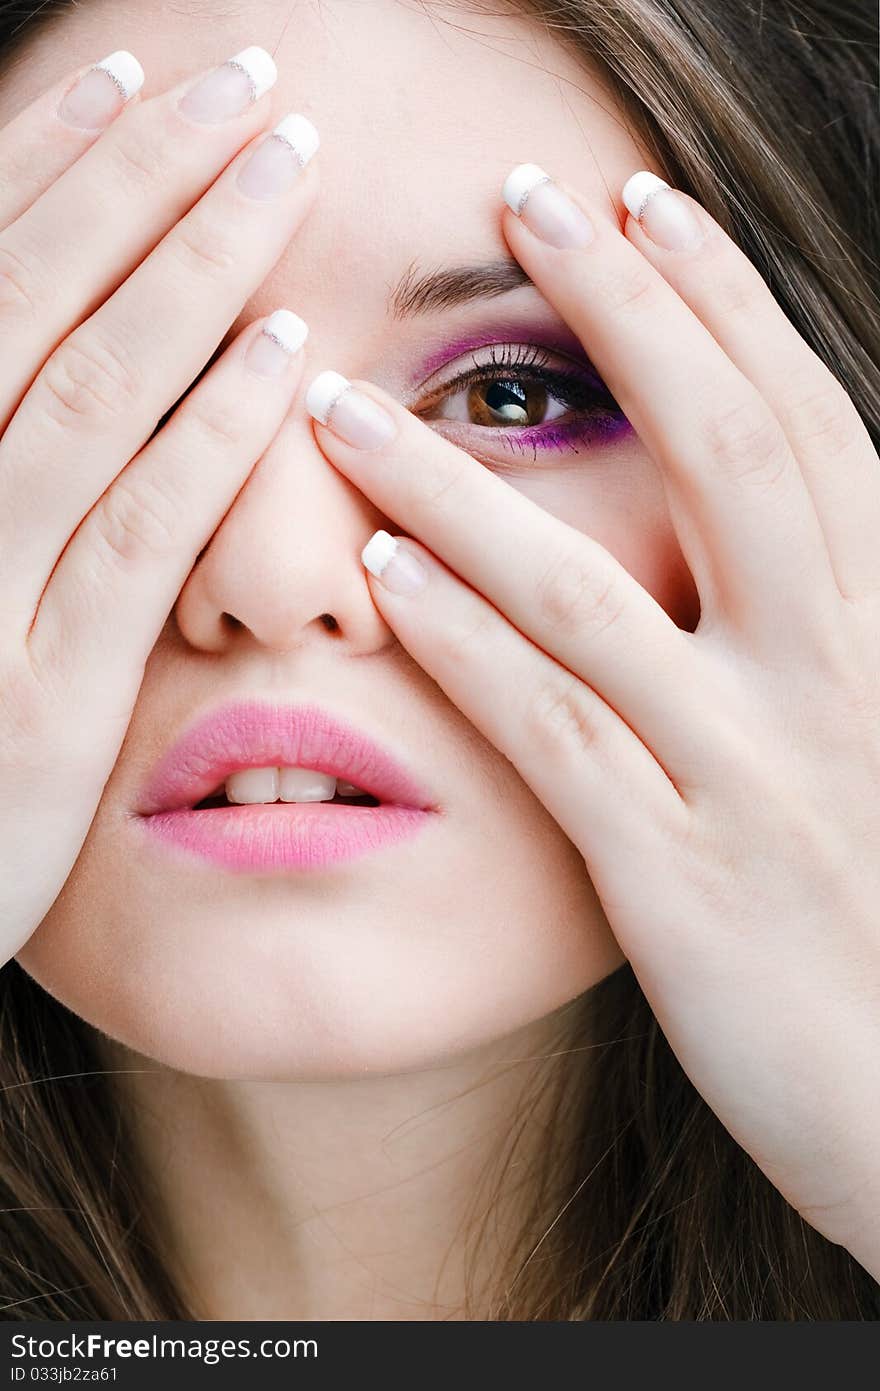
305, 785
253, 785
348, 789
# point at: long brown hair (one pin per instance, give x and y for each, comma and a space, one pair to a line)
767, 115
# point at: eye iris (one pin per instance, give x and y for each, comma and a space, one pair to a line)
507, 402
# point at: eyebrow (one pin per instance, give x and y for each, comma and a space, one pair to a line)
420, 292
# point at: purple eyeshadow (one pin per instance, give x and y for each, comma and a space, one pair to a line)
602, 428
555, 339
601, 422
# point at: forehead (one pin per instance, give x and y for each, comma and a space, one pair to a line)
423, 108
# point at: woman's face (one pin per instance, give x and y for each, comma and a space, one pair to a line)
487, 920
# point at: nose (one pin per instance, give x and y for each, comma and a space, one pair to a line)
283, 570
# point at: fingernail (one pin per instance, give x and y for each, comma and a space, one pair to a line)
278, 159
548, 212
349, 413
271, 351
101, 93
662, 212
399, 570
232, 88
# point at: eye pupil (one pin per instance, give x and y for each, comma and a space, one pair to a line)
507, 402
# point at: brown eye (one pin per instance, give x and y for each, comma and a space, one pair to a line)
507, 401
517, 391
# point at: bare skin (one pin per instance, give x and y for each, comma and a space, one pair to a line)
325, 991
333, 1064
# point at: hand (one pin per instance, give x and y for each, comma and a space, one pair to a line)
97, 533
723, 785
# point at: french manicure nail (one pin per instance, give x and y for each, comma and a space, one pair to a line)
100, 94
661, 211
277, 160
546, 210
270, 353
399, 570
349, 413
232, 88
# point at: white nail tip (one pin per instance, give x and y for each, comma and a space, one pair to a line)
260, 68
378, 551
300, 135
288, 330
323, 393
638, 189
519, 184
125, 71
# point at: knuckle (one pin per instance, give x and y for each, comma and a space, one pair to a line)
22, 714
738, 289
732, 299
558, 717
202, 250
574, 600
440, 486
88, 378
825, 417
218, 421
458, 640
22, 282
630, 290
746, 443
136, 522
137, 162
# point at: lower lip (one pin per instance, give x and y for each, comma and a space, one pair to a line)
284, 835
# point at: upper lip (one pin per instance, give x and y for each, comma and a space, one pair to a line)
256, 734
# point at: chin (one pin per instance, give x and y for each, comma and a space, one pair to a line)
295, 1015
385, 968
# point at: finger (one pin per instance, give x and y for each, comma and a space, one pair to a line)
722, 287
101, 393
118, 579
114, 203
744, 518
556, 585
581, 760
52, 131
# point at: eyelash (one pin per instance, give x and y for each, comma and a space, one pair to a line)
604, 419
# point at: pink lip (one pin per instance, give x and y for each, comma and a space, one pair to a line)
283, 835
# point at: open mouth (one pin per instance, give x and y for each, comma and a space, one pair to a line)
219, 799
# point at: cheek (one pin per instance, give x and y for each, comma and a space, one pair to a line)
653, 557
616, 496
